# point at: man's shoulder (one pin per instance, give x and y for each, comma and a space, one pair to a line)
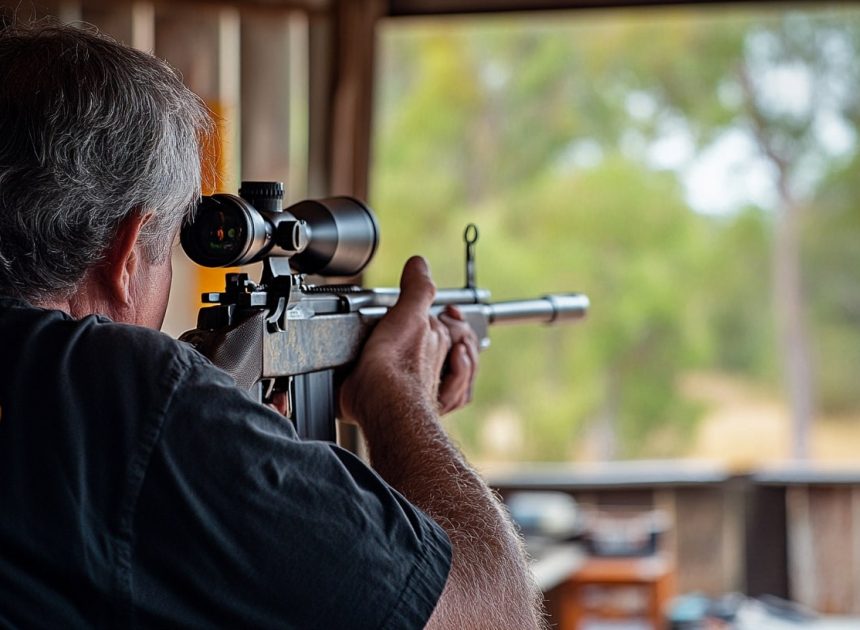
93, 348
133, 344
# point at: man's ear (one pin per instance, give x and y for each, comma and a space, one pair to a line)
121, 258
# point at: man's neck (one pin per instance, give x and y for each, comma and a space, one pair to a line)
82, 302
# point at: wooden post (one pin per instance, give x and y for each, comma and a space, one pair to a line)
321, 78
203, 44
342, 47
342, 64
353, 95
766, 544
299, 58
132, 23
64, 11
67, 11
265, 93
275, 96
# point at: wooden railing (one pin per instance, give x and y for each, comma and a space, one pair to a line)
794, 533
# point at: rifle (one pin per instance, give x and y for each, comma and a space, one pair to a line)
286, 334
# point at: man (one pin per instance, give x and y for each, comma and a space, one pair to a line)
138, 485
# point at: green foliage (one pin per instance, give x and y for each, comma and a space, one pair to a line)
738, 304
540, 133
833, 283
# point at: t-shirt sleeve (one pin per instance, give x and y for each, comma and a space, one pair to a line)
240, 524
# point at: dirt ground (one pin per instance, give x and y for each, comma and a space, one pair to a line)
746, 428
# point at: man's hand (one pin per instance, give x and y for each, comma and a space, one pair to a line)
407, 351
395, 392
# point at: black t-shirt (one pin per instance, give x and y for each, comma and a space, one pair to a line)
139, 486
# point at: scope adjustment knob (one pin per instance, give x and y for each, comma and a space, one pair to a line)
264, 196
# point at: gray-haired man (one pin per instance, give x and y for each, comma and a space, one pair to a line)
138, 486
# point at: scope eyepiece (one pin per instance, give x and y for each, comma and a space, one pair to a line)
226, 231
332, 237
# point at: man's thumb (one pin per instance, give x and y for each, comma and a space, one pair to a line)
416, 286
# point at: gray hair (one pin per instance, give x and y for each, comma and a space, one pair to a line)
91, 132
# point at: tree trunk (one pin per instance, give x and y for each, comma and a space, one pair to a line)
791, 326
788, 299
607, 423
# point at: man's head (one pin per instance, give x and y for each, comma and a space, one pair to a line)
100, 159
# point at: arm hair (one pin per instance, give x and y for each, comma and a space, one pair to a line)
490, 585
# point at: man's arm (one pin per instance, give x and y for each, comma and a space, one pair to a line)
394, 393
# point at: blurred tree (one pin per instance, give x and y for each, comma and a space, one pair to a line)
817, 56
553, 136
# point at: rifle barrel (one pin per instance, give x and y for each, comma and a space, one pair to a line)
388, 297
548, 309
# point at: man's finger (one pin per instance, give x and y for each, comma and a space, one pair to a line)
417, 289
453, 312
280, 403
460, 330
457, 381
443, 339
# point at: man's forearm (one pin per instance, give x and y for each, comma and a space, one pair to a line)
490, 585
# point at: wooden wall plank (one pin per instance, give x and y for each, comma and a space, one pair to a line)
342, 50
701, 544
352, 104
299, 94
203, 44
822, 547
309, 6
132, 23
62, 10
321, 70
733, 545
801, 546
854, 538
766, 544
265, 97
831, 520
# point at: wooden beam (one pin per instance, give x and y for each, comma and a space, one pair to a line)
452, 7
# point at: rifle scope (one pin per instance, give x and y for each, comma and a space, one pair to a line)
337, 236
